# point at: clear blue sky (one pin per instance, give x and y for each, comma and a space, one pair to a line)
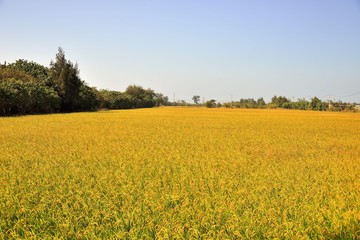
215, 49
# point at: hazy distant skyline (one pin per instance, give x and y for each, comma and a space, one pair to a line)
215, 49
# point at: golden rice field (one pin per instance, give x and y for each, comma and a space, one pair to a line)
181, 173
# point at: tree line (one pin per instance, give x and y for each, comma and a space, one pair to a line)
27, 87
314, 104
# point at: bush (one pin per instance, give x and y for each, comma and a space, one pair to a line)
211, 103
18, 98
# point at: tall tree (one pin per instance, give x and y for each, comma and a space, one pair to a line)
196, 99
68, 83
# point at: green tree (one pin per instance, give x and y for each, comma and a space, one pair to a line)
114, 100
317, 104
67, 80
37, 71
280, 102
302, 104
211, 103
23, 94
18, 98
161, 99
17, 74
247, 103
140, 97
196, 99
87, 100
261, 103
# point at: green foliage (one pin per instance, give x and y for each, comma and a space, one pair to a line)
211, 103
317, 104
37, 71
261, 103
301, 104
67, 80
6, 73
196, 99
13, 98
39, 89
18, 98
87, 100
27, 87
133, 97
140, 97
247, 103
341, 106
314, 104
43, 99
114, 100
21, 93
161, 100
280, 102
